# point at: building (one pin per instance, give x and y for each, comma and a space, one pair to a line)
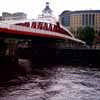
15, 16
76, 19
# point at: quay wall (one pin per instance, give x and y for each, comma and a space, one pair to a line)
62, 55
78, 56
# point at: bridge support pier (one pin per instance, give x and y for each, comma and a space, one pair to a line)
11, 51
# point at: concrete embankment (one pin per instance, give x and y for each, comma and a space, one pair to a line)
57, 56
78, 56
67, 56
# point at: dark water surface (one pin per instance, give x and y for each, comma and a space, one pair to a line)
51, 82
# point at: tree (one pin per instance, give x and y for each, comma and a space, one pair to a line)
86, 34
97, 39
80, 34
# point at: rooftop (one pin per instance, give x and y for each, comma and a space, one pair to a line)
79, 11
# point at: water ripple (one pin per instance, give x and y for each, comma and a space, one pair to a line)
55, 83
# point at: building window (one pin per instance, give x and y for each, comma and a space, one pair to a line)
89, 19
66, 20
93, 19
86, 19
83, 19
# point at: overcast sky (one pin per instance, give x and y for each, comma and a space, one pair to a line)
34, 7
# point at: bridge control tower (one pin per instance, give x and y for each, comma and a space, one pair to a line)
47, 10
47, 15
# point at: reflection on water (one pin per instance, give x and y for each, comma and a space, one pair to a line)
55, 83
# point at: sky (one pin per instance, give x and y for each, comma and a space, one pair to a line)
34, 7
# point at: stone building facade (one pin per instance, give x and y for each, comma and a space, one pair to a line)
76, 19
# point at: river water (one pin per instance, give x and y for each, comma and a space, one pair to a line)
54, 82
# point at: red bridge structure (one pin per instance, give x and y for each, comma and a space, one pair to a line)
39, 35
38, 29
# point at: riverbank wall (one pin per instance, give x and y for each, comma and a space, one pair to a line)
78, 56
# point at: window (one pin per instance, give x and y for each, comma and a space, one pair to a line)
83, 19
89, 19
66, 20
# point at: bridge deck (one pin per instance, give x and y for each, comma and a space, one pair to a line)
27, 31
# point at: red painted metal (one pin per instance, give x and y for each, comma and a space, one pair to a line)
40, 25
16, 32
33, 25
55, 28
45, 26
37, 29
27, 24
50, 27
